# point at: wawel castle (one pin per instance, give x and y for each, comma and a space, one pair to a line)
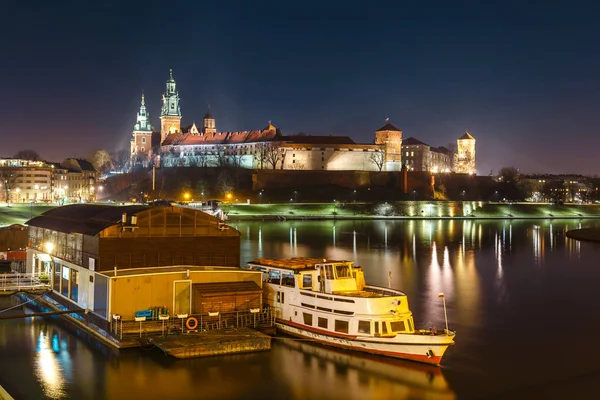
268, 148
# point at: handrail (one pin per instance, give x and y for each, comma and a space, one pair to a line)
383, 291
23, 281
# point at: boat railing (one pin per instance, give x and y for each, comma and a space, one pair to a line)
386, 292
256, 318
24, 281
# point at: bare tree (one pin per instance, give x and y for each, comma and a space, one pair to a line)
273, 153
27, 154
8, 180
378, 158
102, 161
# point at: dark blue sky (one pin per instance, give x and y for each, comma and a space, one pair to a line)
522, 77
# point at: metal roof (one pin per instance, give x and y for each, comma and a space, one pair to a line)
87, 219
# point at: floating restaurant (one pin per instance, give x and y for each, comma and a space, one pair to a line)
132, 273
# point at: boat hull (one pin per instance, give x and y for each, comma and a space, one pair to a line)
425, 349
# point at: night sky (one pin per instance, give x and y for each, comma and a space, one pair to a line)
522, 78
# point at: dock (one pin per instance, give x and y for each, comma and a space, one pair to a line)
213, 343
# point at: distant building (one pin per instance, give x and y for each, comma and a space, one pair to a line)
465, 155
77, 179
419, 156
24, 181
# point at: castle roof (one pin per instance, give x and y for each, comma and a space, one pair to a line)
388, 127
441, 149
208, 114
183, 139
466, 136
411, 141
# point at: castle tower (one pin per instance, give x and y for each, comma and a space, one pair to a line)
209, 122
170, 115
465, 154
391, 137
141, 142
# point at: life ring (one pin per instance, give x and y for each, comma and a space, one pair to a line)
191, 323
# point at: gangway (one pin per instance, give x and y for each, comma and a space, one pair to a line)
17, 282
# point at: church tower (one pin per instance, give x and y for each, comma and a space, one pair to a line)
465, 154
209, 122
141, 143
170, 115
391, 137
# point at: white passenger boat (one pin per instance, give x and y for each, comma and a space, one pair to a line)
329, 302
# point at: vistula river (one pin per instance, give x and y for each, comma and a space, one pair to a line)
523, 298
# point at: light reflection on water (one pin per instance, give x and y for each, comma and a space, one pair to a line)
496, 275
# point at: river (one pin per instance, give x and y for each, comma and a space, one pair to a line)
521, 296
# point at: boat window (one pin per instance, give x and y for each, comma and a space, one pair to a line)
364, 327
341, 326
323, 323
410, 325
397, 326
307, 281
343, 271
377, 327
287, 279
274, 277
329, 271
307, 318
384, 327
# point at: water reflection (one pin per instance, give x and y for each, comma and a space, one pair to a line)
352, 376
47, 367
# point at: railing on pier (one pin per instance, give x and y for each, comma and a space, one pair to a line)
23, 281
206, 322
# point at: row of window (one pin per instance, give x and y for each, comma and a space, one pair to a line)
366, 327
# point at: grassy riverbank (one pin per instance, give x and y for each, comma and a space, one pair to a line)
19, 214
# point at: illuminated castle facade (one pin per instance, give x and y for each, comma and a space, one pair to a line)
268, 148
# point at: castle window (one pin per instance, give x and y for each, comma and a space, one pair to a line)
143, 149
143, 140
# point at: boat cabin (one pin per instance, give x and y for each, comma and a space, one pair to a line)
319, 275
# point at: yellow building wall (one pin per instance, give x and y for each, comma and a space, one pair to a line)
129, 294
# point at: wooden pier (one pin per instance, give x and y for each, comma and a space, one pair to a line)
213, 343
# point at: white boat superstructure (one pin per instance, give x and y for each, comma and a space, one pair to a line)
329, 302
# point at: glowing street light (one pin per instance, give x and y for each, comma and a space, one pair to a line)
186, 195
49, 246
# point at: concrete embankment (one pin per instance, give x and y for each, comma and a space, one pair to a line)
409, 210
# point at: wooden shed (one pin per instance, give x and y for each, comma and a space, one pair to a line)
225, 297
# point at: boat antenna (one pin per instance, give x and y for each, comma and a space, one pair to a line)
390, 279
445, 314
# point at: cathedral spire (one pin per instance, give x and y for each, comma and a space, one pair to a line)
143, 101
